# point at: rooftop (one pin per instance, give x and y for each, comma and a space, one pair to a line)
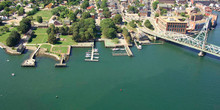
172, 19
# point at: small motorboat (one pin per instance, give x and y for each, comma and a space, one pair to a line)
87, 56
96, 53
115, 49
122, 49
12, 74
96, 57
7, 60
96, 50
139, 46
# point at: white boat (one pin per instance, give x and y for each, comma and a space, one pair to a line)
115, 49
96, 50
7, 60
122, 49
88, 52
12, 74
139, 46
1, 47
87, 56
96, 57
96, 53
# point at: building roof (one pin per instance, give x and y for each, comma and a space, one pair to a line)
165, 5
90, 7
172, 19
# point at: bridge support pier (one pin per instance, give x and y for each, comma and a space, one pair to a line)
201, 54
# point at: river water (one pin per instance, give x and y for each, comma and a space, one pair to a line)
158, 77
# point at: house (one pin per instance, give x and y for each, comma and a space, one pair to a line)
168, 7
90, 7
57, 23
67, 22
79, 15
4, 17
49, 6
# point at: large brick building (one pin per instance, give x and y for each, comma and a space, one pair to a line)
173, 24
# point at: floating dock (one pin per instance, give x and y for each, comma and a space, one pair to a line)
92, 58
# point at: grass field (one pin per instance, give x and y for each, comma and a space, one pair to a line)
46, 46
41, 36
4, 36
130, 28
46, 15
60, 49
67, 40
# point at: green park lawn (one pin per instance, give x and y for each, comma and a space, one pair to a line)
46, 46
41, 36
66, 40
5, 35
46, 15
130, 28
60, 49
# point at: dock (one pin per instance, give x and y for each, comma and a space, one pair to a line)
138, 46
31, 62
129, 53
61, 64
93, 52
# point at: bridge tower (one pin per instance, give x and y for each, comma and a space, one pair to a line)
202, 37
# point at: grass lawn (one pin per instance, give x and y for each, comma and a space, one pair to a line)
48, 47
4, 36
60, 49
41, 36
66, 40
46, 15
130, 28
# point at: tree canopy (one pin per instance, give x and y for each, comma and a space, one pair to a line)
13, 39
39, 19
148, 25
25, 25
117, 19
154, 5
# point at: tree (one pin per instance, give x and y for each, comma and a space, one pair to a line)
73, 17
183, 14
154, 5
85, 4
107, 23
109, 33
86, 15
52, 38
148, 25
132, 24
39, 19
25, 25
133, 9
13, 39
21, 11
117, 19
107, 14
157, 15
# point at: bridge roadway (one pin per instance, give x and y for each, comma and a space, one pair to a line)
185, 41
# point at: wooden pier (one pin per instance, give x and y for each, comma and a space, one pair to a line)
129, 53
